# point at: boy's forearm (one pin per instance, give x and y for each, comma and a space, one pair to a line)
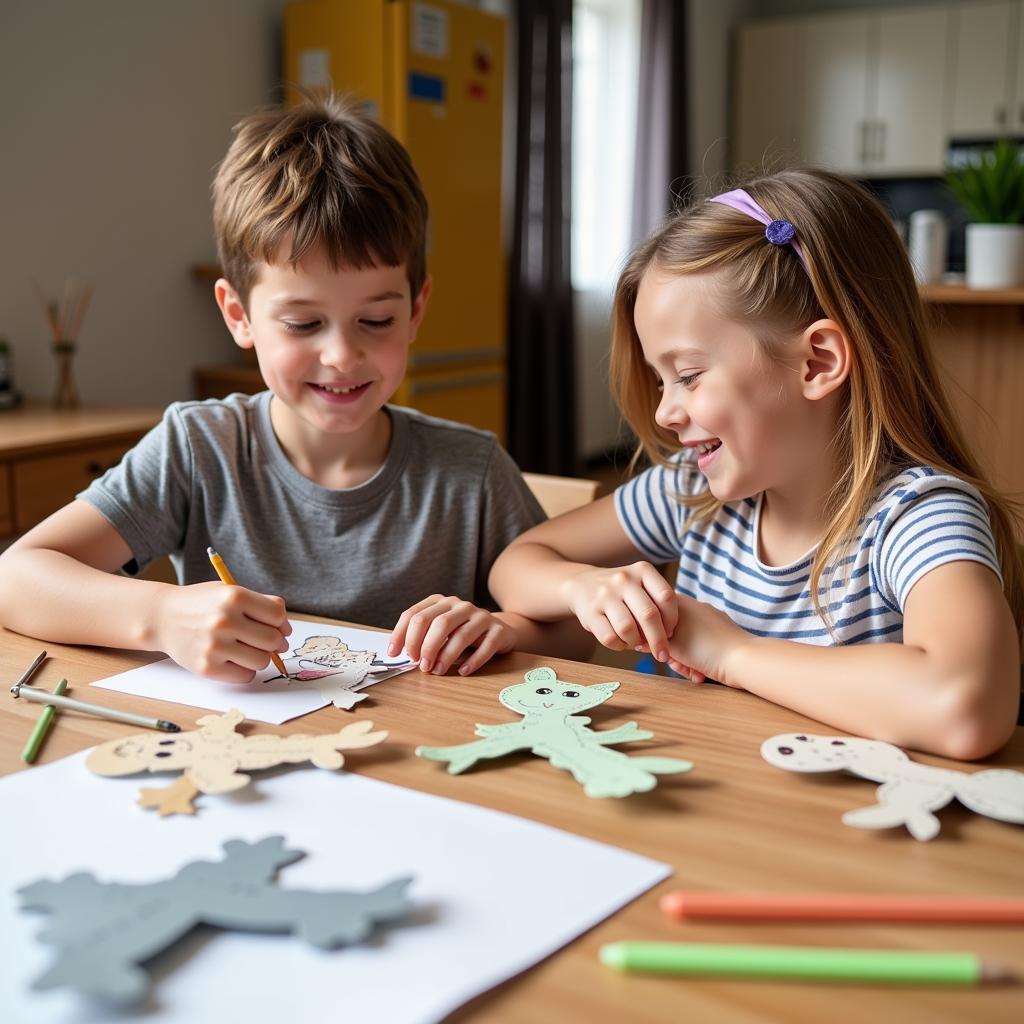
895, 692
563, 639
54, 597
528, 578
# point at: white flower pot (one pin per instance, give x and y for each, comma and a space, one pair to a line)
995, 255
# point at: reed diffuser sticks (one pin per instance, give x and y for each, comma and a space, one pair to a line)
64, 318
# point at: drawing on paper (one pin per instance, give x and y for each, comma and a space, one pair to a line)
327, 664
551, 729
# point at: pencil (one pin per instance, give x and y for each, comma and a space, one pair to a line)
45, 697
35, 741
839, 906
220, 567
29, 672
891, 967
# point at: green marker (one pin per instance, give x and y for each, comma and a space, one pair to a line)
35, 741
893, 967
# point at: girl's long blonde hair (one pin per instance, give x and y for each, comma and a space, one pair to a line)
895, 413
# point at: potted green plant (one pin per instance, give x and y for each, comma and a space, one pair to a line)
991, 189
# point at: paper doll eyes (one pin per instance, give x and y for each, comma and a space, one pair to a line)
570, 693
838, 743
542, 689
802, 739
180, 747
786, 750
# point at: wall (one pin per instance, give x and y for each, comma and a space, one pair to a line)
114, 114
709, 57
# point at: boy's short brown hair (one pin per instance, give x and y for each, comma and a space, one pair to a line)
322, 173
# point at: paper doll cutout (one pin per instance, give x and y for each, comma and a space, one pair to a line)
328, 665
551, 729
104, 930
909, 791
213, 756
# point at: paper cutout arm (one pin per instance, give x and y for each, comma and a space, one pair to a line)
174, 799
551, 729
910, 792
103, 931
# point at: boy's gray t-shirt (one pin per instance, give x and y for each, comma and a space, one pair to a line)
446, 502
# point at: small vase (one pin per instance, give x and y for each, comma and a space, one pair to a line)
995, 255
66, 396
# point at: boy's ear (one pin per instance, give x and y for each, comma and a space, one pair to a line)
234, 313
419, 305
825, 359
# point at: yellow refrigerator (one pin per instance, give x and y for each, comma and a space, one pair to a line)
433, 74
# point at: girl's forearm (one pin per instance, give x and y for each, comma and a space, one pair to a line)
527, 578
893, 692
561, 639
52, 596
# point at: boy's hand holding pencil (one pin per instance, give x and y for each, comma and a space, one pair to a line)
223, 632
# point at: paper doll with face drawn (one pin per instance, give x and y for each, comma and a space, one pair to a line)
326, 663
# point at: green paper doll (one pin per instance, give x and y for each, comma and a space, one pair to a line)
550, 728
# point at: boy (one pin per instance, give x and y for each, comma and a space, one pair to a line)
314, 488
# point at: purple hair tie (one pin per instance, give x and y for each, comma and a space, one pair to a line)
778, 232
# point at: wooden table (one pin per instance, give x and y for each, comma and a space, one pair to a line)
734, 822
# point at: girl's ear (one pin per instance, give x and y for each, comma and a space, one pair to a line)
234, 313
825, 359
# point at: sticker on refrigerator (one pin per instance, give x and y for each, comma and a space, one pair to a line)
314, 69
429, 31
426, 87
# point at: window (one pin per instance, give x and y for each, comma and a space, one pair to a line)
606, 51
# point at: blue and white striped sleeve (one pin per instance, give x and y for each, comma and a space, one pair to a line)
649, 512
931, 520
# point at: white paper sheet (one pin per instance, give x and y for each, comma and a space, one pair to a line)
494, 895
274, 702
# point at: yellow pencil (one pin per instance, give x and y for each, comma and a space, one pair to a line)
225, 577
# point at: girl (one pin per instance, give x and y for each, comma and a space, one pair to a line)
840, 551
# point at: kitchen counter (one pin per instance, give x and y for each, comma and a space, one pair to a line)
978, 340
958, 294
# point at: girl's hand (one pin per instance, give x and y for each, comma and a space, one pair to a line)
631, 606
703, 639
223, 632
438, 629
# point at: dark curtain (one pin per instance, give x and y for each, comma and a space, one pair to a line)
542, 404
661, 153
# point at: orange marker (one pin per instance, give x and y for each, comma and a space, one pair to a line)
688, 905
225, 577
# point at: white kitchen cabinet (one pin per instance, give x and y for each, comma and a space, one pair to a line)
764, 112
1017, 109
986, 57
873, 91
832, 103
907, 133
868, 90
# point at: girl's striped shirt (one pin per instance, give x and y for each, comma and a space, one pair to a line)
919, 519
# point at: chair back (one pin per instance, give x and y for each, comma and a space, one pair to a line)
558, 494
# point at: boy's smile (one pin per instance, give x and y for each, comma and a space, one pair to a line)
332, 345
